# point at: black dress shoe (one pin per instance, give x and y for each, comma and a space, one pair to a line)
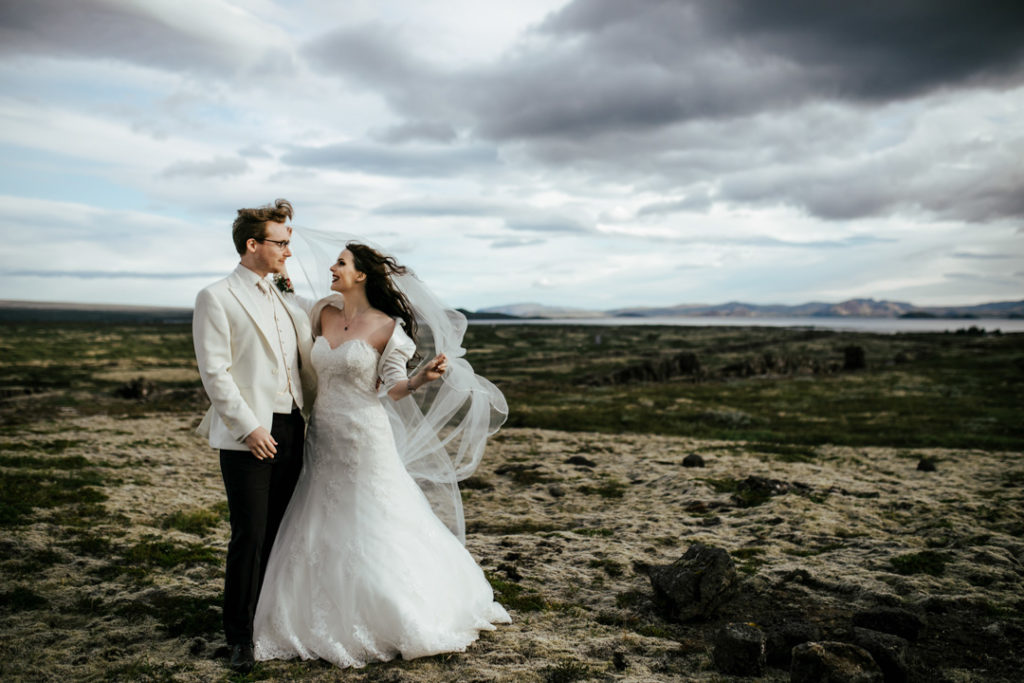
241, 659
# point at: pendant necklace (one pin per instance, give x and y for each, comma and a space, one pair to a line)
349, 322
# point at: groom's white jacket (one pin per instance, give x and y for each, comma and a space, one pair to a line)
238, 363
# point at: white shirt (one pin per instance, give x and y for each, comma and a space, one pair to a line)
282, 337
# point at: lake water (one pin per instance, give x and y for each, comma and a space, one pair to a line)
877, 325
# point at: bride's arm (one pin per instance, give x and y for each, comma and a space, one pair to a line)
430, 372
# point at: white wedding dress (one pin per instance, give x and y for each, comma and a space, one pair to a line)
362, 570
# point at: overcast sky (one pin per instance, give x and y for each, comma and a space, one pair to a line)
591, 153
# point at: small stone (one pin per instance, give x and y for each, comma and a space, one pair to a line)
739, 649
894, 620
888, 651
581, 461
196, 647
834, 662
926, 465
556, 491
783, 638
696, 584
693, 460
619, 661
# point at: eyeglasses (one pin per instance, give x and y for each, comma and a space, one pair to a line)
281, 243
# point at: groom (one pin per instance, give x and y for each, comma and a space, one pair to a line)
252, 349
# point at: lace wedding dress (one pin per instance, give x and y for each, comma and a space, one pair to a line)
362, 570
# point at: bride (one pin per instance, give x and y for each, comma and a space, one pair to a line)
363, 568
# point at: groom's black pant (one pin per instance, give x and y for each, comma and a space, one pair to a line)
258, 494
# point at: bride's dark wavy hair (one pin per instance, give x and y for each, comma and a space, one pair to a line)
380, 290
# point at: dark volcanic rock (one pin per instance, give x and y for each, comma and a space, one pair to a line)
833, 662
756, 490
889, 651
693, 460
926, 465
685, 363
696, 584
739, 649
894, 620
139, 389
580, 460
783, 638
854, 358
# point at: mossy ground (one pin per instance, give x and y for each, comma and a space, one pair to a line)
113, 525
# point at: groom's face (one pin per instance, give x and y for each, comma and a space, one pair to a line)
270, 254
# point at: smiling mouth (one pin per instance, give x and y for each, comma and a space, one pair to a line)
334, 278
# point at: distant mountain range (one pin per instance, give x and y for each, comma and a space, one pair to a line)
11, 311
858, 308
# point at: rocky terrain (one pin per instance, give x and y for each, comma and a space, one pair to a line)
114, 532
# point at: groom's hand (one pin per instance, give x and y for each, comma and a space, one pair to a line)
261, 444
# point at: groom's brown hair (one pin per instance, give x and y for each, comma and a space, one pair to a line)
252, 223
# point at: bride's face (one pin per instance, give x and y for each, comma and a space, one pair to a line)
344, 275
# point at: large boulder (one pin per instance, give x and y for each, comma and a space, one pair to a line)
833, 662
739, 649
782, 638
697, 583
889, 651
894, 620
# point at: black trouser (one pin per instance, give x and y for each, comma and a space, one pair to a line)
258, 494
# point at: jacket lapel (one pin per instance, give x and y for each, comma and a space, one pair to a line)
250, 304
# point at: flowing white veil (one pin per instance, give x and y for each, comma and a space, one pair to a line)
442, 429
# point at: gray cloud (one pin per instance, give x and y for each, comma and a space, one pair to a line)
397, 161
445, 207
763, 103
547, 223
127, 32
109, 274
975, 255
696, 202
514, 242
219, 167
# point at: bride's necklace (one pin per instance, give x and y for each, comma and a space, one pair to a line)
348, 321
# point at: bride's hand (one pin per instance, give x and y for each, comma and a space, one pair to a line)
435, 369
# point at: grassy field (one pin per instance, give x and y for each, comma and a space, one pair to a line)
113, 525
756, 384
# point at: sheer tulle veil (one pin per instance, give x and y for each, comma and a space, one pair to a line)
441, 430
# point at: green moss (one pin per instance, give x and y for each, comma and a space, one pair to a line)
525, 526
180, 615
197, 521
925, 562
566, 671
611, 567
154, 551
599, 531
67, 462
513, 596
23, 491
21, 599
607, 489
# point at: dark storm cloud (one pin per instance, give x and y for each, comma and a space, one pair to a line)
762, 102
394, 161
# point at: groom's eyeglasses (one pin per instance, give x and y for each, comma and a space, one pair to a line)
281, 243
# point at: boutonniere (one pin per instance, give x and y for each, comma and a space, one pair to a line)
284, 283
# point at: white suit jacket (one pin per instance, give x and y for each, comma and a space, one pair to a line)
238, 360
